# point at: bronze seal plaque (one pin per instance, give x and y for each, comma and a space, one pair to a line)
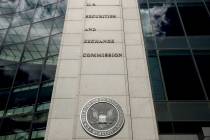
102, 117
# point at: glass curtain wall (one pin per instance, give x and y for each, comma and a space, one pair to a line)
177, 40
30, 35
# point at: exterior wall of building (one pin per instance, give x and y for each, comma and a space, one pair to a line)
123, 78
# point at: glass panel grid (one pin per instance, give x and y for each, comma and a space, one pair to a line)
179, 112
30, 35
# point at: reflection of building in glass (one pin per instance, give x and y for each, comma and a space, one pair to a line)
30, 34
178, 53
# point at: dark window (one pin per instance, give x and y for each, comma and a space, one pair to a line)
7, 73
203, 62
23, 96
29, 72
196, 23
16, 124
45, 92
189, 127
181, 79
207, 2
165, 127
3, 100
182, 127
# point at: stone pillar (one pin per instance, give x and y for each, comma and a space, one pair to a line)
115, 67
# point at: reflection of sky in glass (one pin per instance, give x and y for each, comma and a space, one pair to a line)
157, 18
19, 15
8, 6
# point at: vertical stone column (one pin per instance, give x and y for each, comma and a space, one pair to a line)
142, 109
103, 76
115, 68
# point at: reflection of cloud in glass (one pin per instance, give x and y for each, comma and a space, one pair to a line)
146, 22
157, 18
23, 17
26, 4
8, 6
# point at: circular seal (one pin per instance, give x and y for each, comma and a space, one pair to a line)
102, 117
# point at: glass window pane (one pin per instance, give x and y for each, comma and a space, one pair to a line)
17, 35
23, 18
3, 99
40, 120
155, 75
23, 96
26, 5
172, 42
45, 93
21, 136
46, 2
10, 137
38, 134
29, 72
203, 62
12, 52
54, 45
19, 110
61, 8
44, 106
8, 6
146, 21
50, 68
207, 2
165, 128
36, 49
186, 127
2, 34
7, 73
5, 21
40, 29
149, 39
198, 24
45, 12
58, 25
181, 79
199, 42
165, 19
17, 124
167, 25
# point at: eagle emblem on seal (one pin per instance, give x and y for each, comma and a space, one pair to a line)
102, 117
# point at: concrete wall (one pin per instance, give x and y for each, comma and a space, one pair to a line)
124, 79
